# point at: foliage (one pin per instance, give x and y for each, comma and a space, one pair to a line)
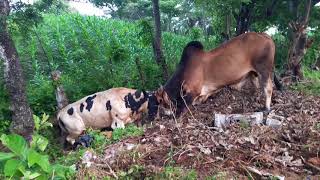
100, 140
134, 172
130, 130
26, 162
102, 50
312, 84
25, 16
171, 172
219, 175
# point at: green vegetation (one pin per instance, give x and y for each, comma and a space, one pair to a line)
95, 54
100, 140
30, 162
171, 172
104, 52
168, 172
311, 85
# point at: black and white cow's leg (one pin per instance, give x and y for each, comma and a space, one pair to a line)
117, 123
117, 120
71, 138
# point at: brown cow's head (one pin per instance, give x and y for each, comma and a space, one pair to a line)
164, 100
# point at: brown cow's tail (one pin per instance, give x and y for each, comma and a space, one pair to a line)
276, 81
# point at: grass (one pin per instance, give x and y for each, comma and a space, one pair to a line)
311, 84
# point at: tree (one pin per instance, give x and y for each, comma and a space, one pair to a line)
157, 43
299, 40
22, 121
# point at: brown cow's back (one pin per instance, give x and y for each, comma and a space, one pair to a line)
228, 63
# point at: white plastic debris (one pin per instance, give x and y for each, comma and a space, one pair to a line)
221, 121
88, 158
274, 121
224, 120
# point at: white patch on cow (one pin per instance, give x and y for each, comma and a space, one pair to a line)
117, 124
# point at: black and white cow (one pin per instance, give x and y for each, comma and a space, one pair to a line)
113, 108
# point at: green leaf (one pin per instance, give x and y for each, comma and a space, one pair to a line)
36, 158
39, 142
36, 120
15, 143
246, 1
34, 175
30, 175
11, 167
33, 157
62, 171
5, 156
43, 177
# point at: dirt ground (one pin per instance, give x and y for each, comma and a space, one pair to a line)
191, 142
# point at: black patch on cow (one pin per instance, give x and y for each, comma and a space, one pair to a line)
81, 107
108, 105
70, 111
153, 105
89, 102
181, 103
137, 94
106, 129
132, 103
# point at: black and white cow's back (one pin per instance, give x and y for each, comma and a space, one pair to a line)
111, 108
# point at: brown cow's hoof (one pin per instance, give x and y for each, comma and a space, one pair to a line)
266, 111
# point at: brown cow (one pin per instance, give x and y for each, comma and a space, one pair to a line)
200, 74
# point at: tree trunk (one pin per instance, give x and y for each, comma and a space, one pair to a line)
22, 121
244, 17
157, 40
226, 35
299, 43
61, 96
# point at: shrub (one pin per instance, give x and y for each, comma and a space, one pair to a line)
26, 162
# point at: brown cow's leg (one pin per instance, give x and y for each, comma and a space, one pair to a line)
255, 81
268, 93
238, 86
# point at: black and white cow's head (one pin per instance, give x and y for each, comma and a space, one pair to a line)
135, 102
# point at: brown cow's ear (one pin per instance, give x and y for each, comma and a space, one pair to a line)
165, 97
159, 94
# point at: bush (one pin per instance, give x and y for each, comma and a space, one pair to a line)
26, 162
